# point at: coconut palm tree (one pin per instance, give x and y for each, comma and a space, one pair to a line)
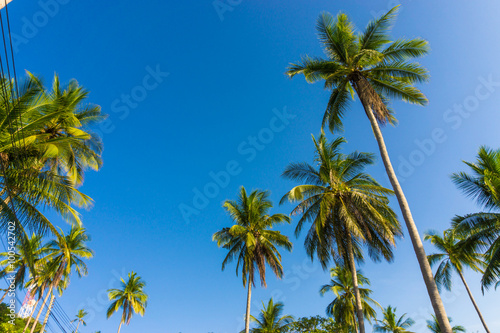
45, 146
456, 253
375, 68
434, 327
27, 252
130, 297
65, 253
391, 323
343, 306
483, 185
251, 241
270, 319
79, 318
348, 209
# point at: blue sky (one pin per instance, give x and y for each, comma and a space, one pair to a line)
187, 89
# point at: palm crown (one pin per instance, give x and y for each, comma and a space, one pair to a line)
270, 319
130, 297
368, 63
392, 324
251, 241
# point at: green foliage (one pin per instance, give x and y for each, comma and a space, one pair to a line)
433, 326
130, 297
392, 324
18, 325
251, 241
483, 228
270, 319
456, 252
367, 62
343, 306
341, 201
316, 324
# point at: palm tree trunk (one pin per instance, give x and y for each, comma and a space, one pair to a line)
3, 297
76, 331
31, 316
474, 302
363, 90
41, 309
357, 296
52, 298
120, 326
247, 316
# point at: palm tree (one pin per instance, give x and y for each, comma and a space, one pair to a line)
130, 297
45, 147
456, 253
434, 327
483, 185
376, 69
270, 319
391, 323
343, 307
27, 252
64, 253
250, 241
79, 318
348, 210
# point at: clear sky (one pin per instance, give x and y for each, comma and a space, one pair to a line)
187, 88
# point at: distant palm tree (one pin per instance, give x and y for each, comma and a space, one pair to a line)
130, 297
391, 323
251, 241
347, 207
343, 307
376, 68
456, 253
270, 319
434, 327
79, 318
483, 185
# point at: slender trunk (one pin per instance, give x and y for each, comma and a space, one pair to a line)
47, 314
3, 297
41, 309
474, 303
247, 316
357, 295
364, 91
31, 316
120, 326
77, 325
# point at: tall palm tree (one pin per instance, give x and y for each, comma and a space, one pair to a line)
343, 306
434, 327
483, 185
270, 319
251, 241
348, 210
392, 324
376, 68
456, 253
79, 318
65, 253
130, 297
